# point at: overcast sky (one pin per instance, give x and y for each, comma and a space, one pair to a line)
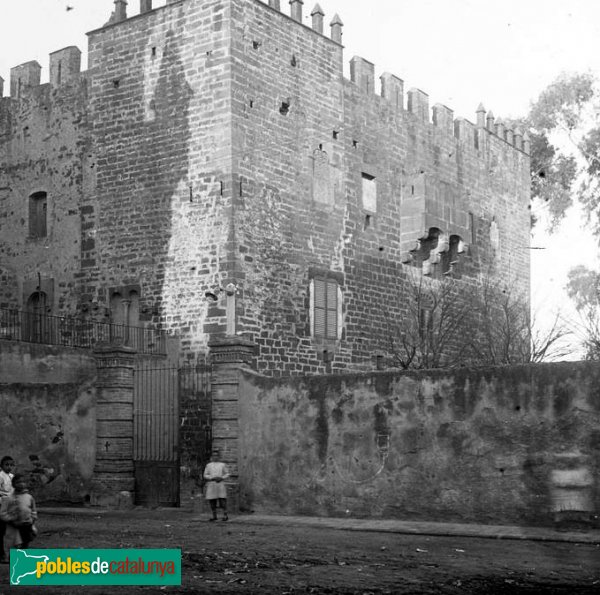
460, 52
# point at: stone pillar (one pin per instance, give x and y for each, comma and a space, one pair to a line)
317, 15
336, 29
480, 116
113, 483
145, 6
275, 4
296, 9
229, 355
120, 13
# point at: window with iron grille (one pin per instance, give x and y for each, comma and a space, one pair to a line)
325, 308
38, 208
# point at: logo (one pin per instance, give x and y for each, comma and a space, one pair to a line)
95, 567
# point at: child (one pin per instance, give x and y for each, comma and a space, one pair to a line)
20, 514
216, 491
7, 466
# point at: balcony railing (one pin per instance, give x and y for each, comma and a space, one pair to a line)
16, 325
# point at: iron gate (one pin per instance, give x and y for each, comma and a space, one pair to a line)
159, 393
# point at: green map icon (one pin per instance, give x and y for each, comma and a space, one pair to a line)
23, 564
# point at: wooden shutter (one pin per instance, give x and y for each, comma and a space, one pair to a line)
42, 215
325, 308
320, 307
332, 309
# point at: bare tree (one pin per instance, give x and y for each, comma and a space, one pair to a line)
450, 323
434, 329
507, 332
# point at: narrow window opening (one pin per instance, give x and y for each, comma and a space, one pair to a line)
251, 103
472, 227
320, 146
256, 44
425, 323
59, 72
412, 190
355, 143
116, 83
38, 209
367, 223
154, 52
369, 192
293, 61
285, 108
335, 134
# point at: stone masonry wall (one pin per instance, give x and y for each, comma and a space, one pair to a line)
278, 62
160, 107
516, 445
43, 148
215, 142
304, 137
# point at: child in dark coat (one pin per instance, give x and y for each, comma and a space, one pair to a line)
20, 514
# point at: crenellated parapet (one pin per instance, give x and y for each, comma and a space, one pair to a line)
64, 66
362, 74
119, 14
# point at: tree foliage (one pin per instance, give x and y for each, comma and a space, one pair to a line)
565, 150
583, 288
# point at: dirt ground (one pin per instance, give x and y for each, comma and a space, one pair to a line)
230, 557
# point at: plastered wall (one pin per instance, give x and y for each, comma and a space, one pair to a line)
516, 445
48, 421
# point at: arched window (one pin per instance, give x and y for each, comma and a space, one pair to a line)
117, 312
38, 211
36, 318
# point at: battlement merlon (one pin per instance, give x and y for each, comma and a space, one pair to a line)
362, 73
65, 64
24, 77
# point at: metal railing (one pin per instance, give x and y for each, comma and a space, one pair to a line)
30, 327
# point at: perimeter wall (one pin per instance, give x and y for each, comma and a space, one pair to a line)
513, 445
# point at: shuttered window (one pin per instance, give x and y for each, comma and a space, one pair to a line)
325, 308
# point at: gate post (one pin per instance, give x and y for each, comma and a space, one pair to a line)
229, 355
113, 482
